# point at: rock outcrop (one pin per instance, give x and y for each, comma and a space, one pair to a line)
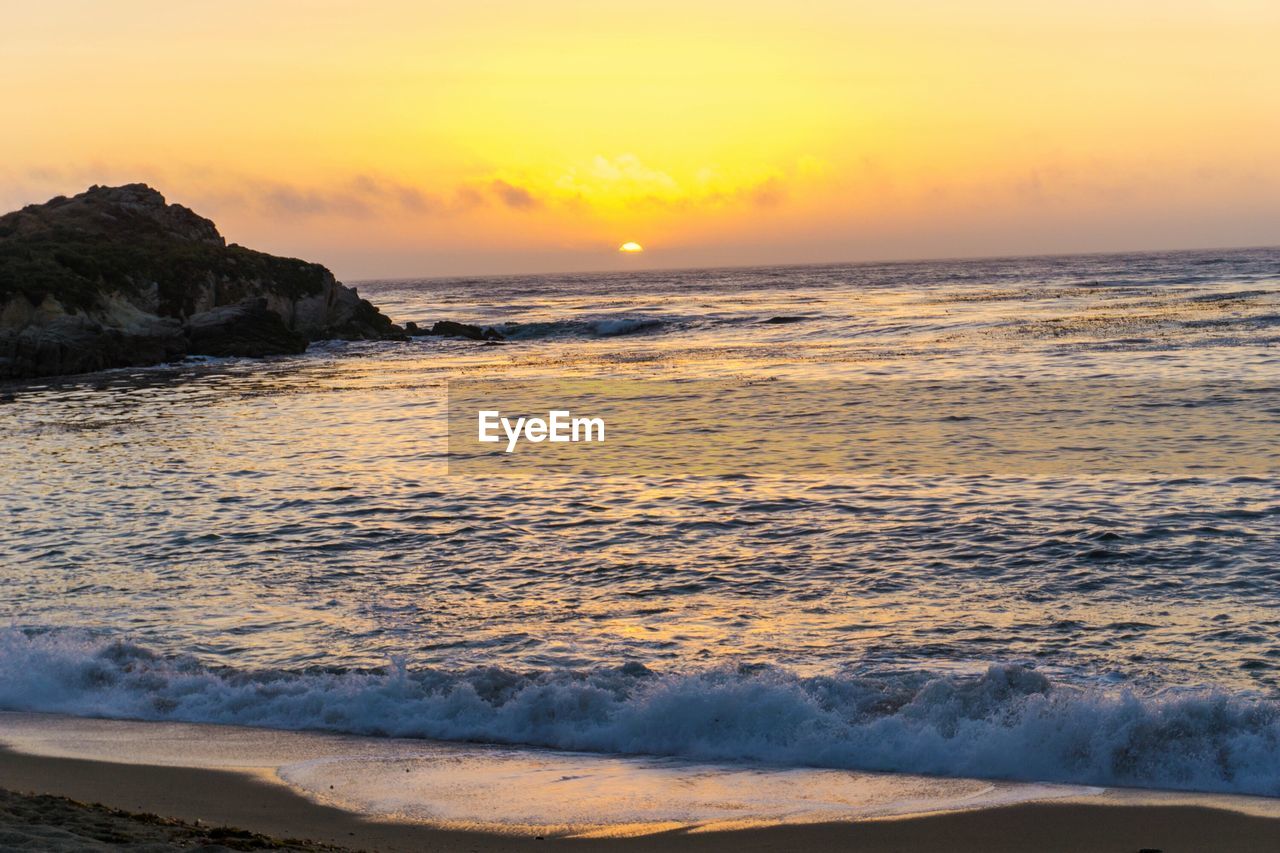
451, 329
117, 277
246, 328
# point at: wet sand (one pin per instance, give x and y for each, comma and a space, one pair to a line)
218, 798
59, 824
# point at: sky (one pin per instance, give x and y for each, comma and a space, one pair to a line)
398, 138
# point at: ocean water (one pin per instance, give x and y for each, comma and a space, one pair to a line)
283, 543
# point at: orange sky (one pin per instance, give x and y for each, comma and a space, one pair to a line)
407, 138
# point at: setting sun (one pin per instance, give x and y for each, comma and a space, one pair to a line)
630, 248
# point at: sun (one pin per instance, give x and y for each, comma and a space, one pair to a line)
630, 248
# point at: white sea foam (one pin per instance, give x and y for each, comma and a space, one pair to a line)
597, 327
623, 325
1011, 723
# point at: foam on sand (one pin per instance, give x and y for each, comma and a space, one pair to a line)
516, 790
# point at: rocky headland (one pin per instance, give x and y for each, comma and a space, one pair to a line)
117, 277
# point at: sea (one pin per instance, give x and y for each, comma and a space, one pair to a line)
286, 544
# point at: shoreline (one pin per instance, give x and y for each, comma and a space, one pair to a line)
253, 802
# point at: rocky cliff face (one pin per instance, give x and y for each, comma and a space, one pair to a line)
117, 277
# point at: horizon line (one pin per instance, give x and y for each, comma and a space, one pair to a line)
831, 263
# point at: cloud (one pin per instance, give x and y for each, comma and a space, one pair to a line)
628, 180
770, 192
360, 197
594, 185
623, 176
292, 201
517, 198
628, 169
366, 197
466, 198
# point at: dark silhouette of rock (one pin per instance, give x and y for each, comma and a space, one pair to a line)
411, 329
117, 277
247, 328
450, 329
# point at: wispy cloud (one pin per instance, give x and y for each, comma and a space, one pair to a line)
366, 197
598, 183
517, 198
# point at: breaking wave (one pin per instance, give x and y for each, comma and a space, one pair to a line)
1010, 723
603, 327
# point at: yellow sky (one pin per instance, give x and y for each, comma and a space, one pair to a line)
431, 138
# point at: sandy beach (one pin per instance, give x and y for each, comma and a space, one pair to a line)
210, 798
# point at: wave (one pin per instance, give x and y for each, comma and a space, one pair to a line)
601, 327
1010, 723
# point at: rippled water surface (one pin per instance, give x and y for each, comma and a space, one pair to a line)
261, 533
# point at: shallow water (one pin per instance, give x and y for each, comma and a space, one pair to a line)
280, 543
526, 791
